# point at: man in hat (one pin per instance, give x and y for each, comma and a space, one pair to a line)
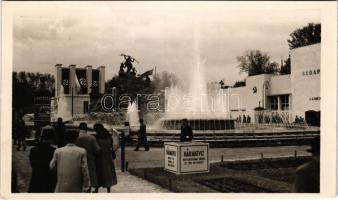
307, 175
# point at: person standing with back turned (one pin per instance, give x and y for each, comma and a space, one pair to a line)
70, 163
142, 136
43, 180
89, 143
106, 168
186, 132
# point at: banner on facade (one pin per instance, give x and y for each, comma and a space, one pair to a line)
65, 80
95, 80
81, 80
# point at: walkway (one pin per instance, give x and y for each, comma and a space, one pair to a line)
128, 183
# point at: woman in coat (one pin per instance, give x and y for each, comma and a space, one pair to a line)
106, 168
43, 180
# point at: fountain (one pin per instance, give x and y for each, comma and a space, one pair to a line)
132, 115
203, 111
63, 107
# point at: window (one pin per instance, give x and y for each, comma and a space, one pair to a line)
284, 102
274, 103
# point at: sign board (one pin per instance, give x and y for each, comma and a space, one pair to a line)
186, 157
194, 158
170, 160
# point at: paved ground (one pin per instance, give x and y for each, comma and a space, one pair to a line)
155, 158
128, 183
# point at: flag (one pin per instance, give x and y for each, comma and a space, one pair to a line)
81, 79
77, 85
148, 73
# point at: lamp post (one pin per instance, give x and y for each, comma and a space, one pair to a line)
259, 112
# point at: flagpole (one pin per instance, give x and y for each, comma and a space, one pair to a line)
72, 101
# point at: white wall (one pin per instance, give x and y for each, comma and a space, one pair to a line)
305, 84
280, 84
300, 87
244, 98
67, 102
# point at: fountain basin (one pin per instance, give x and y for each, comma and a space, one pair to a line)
200, 124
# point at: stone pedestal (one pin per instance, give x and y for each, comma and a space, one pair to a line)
186, 157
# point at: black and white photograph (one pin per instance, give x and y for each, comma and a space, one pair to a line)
170, 97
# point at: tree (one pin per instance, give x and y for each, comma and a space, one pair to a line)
255, 62
239, 84
165, 79
307, 35
286, 67
24, 85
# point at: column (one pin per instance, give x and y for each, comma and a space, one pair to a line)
58, 81
89, 78
263, 97
72, 78
102, 79
279, 103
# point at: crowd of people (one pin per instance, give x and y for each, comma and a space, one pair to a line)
275, 117
299, 120
244, 119
267, 117
72, 160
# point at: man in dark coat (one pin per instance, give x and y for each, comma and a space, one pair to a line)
186, 132
60, 140
89, 143
308, 175
21, 133
43, 180
142, 136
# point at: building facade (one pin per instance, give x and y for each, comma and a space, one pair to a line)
73, 87
288, 96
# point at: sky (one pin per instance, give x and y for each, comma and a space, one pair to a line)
161, 34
